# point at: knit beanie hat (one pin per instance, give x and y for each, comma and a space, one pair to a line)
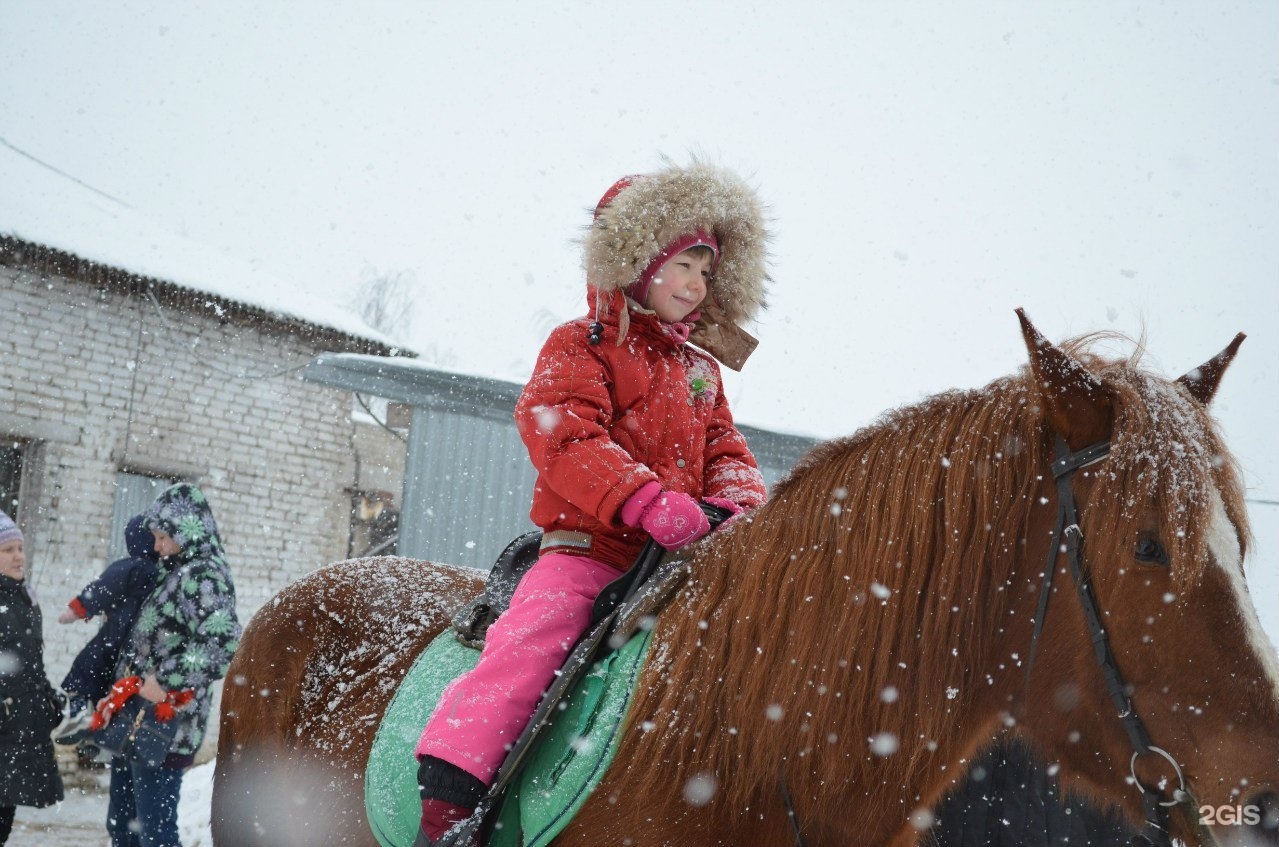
643, 220
8, 529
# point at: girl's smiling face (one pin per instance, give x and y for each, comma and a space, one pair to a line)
679, 287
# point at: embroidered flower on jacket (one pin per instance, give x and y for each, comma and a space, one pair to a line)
702, 384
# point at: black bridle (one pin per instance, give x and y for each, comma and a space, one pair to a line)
1068, 538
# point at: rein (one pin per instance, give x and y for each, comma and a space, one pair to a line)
1155, 833
791, 814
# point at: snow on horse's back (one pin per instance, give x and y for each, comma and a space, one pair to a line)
316, 668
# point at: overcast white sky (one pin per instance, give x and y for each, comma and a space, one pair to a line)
929, 167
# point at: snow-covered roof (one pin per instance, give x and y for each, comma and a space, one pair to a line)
43, 207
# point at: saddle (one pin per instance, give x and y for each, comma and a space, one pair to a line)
634, 612
472, 621
626, 604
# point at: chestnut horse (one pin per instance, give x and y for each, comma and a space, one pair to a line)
836, 660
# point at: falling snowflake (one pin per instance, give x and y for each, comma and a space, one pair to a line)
700, 789
884, 744
547, 419
921, 819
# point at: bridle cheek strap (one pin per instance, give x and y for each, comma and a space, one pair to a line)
1068, 538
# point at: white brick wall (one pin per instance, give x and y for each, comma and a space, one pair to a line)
272, 454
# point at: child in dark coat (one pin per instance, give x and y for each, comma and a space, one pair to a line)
116, 595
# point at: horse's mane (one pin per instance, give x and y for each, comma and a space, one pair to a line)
786, 627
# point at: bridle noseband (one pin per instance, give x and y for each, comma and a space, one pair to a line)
1155, 833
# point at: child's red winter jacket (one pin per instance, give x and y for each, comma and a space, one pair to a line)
602, 420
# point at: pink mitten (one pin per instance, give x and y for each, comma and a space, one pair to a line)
674, 519
733, 509
638, 502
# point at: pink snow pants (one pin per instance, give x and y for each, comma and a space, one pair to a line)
483, 712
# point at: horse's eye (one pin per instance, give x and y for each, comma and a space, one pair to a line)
1150, 551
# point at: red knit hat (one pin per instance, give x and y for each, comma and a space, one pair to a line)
614, 190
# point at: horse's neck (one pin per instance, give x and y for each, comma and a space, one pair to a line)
864, 669
919, 699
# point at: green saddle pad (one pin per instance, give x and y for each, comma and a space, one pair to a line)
565, 766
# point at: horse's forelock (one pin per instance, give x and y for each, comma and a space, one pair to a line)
1167, 461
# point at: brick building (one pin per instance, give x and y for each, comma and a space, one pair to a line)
118, 379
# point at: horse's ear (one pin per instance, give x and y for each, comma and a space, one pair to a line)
1079, 407
1202, 382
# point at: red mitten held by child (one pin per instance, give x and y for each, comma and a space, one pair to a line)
672, 518
124, 688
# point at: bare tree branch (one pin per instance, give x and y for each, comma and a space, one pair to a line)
385, 301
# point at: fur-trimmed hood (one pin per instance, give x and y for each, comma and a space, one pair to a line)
635, 224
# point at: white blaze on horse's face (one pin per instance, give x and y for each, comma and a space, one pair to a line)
1223, 546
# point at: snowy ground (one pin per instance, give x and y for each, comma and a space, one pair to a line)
80, 820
